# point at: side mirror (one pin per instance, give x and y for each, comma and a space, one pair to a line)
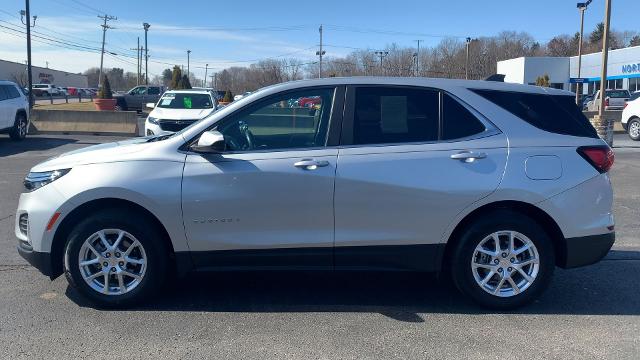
210, 142
151, 105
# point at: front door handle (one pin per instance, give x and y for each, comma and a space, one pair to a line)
310, 164
468, 156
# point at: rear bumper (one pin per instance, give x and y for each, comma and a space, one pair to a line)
585, 250
39, 260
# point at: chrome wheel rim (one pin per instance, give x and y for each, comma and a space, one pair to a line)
112, 262
505, 263
634, 129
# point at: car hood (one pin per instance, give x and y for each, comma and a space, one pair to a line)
102, 153
180, 114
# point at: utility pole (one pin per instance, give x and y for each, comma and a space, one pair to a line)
104, 34
27, 14
320, 53
211, 76
206, 67
418, 59
146, 53
605, 57
188, 55
138, 56
382, 55
582, 7
466, 68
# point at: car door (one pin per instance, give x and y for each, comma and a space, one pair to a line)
5, 107
152, 96
135, 96
411, 160
267, 201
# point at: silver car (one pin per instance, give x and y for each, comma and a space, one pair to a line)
491, 184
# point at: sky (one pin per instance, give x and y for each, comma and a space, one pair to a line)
226, 33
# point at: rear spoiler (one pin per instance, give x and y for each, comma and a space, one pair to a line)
496, 77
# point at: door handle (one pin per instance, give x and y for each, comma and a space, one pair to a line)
310, 164
468, 156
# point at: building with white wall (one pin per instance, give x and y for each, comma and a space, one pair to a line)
17, 72
623, 70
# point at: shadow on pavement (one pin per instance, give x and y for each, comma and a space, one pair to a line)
606, 288
10, 147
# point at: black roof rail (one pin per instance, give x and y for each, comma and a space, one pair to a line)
496, 77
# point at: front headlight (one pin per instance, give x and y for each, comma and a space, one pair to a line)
36, 180
153, 120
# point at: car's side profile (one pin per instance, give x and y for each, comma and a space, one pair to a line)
631, 118
14, 110
491, 184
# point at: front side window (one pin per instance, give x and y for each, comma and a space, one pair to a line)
185, 101
138, 91
281, 122
395, 115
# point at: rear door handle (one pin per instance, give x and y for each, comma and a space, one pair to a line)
310, 164
468, 156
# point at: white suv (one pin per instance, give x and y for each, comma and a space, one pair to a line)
492, 184
178, 109
14, 110
631, 117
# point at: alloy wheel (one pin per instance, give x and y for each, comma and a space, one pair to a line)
112, 262
634, 129
505, 263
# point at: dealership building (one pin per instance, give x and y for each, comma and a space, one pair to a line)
17, 72
623, 70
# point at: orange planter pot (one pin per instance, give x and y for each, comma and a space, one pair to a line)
224, 103
105, 104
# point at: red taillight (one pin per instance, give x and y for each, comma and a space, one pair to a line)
606, 102
601, 157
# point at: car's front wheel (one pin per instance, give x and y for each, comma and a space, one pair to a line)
634, 129
503, 260
20, 128
115, 258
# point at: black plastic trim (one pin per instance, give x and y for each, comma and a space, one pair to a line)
586, 250
39, 260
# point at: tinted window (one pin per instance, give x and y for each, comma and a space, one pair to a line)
138, 91
185, 101
280, 122
12, 92
618, 94
154, 91
395, 115
554, 113
634, 96
3, 93
457, 121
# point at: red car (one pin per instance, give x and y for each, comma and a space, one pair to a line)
310, 101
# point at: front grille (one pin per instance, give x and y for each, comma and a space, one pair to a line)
174, 125
23, 223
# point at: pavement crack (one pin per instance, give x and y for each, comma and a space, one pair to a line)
14, 267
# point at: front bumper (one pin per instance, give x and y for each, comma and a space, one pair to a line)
39, 260
585, 250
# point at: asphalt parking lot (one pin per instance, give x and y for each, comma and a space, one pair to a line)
588, 313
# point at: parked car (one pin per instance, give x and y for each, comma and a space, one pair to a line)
585, 101
631, 118
45, 90
62, 91
614, 100
309, 101
136, 98
492, 184
71, 91
634, 95
178, 109
14, 110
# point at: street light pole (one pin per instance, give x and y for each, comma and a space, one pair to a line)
466, 67
206, 67
582, 7
146, 53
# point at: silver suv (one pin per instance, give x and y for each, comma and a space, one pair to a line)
491, 184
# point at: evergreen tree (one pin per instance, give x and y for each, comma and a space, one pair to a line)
635, 41
105, 89
185, 83
543, 80
176, 78
228, 96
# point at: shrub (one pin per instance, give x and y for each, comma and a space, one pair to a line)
105, 89
228, 96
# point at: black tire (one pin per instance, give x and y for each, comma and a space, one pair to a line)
20, 128
138, 226
631, 124
499, 220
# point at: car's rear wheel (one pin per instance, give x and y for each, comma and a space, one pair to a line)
20, 128
634, 129
503, 260
115, 258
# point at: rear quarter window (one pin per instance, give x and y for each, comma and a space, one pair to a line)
553, 113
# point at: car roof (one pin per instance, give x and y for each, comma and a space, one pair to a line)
423, 82
188, 91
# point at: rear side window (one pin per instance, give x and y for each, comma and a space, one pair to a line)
3, 93
617, 93
154, 91
553, 113
12, 92
457, 121
395, 115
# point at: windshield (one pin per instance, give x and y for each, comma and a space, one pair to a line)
185, 101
